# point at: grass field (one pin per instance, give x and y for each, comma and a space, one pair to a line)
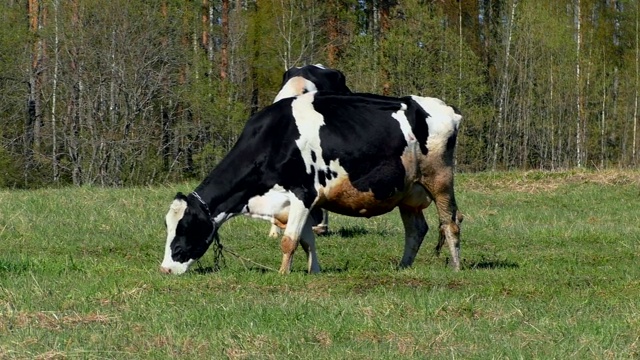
551, 269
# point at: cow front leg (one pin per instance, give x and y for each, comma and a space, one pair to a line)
415, 229
308, 243
298, 215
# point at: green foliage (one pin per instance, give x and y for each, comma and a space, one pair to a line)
129, 93
549, 271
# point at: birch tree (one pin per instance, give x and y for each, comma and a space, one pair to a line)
504, 87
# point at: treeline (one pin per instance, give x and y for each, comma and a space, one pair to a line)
121, 92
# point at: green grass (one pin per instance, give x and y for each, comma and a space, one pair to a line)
550, 270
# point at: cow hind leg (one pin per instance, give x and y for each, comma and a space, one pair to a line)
322, 225
415, 229
450, 220
441, 190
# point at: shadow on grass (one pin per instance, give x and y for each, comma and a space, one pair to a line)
350, 232
489, 264
205, 270
482, 264
354, 231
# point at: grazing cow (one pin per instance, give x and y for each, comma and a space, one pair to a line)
358, 155
297, 81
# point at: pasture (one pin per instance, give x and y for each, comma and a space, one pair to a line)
551, 269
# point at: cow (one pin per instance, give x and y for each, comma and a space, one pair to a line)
358, 155
297, 81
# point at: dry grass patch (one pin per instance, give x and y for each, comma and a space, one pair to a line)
546, 181
50, 320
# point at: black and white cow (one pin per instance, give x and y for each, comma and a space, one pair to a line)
358, 155
297, 81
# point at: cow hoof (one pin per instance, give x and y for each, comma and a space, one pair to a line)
321, 229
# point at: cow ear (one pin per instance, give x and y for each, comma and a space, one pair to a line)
178, 206
179, 203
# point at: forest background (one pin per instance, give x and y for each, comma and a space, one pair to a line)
121, 92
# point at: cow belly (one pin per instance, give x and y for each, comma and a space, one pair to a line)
346, 200
343, 198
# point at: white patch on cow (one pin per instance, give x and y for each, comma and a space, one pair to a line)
443, 121
297, 85
308, 121
320, 66
176, 212
401, 117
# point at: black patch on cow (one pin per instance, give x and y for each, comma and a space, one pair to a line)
322, 178
361, 133
314, 157
328, 174
417, 118
451, 144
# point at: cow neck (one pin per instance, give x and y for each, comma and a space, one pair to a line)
239, 175
213, 235
204, 204
225, 191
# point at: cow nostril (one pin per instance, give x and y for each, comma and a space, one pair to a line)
165, 270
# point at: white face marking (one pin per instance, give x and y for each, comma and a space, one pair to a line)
296, 86
443, 121
176, 212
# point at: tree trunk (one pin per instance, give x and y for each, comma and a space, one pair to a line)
54, 136
602, 119
210, 54
31, 126
74, 108
224, 56
459, 54
204, 16
579, 100
634, 157
499, 136
332, 34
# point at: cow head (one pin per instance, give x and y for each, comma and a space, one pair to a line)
190, 231
299, 80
